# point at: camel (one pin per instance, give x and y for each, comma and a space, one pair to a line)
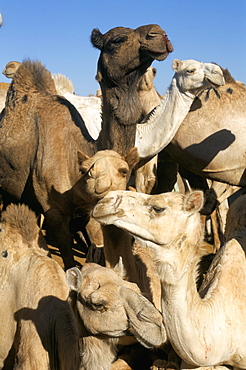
38, 327
206, 151
11, 68
50, 148
107, 307
132, 52
170, 224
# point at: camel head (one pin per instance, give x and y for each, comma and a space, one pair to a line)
127, 52
193, 77
155, 220
99, 302
109, 305
105, 171
11, 68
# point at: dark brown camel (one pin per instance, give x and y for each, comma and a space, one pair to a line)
40, 132
125, 56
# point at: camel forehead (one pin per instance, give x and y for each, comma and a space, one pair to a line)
117, 32
168, 199
99, 274
104, 157
191, 63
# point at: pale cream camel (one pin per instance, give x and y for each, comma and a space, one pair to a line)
209, 144
107, 308
205, 328
190, 78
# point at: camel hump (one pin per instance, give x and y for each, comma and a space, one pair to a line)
20, 220
33, 77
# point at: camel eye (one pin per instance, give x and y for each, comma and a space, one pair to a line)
190, 71
5, 254
82, 171
158, 209
123, 171
119, 40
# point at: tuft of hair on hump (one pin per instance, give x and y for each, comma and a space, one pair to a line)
21, 220
38, 76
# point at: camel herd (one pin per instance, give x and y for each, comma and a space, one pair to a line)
142, 184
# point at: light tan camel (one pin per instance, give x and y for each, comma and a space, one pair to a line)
210, 150
170, 224
106, 170
38, 328
107, 308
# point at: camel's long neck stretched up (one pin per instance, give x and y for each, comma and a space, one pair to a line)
200, 329
157, 131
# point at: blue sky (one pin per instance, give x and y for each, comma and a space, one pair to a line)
57, 32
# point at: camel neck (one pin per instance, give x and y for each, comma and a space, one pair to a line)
198, 327
156, 132
121, 111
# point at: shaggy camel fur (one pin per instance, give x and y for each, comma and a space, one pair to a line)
170, 224
125, 54
213, 150
38, 328
109, 307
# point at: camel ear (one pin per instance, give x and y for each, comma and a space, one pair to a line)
82, 157
74, 278
176, 66
193, 201
120, 269
97, 38
132, 158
